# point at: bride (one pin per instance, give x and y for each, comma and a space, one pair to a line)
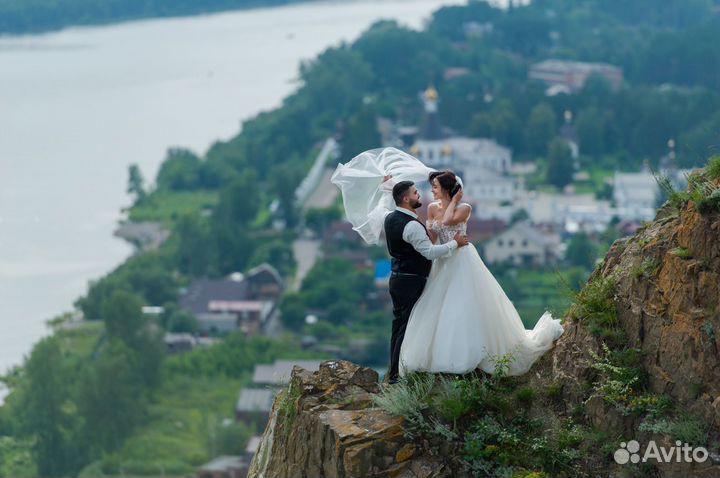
463, 320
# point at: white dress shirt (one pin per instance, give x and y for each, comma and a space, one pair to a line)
416, 235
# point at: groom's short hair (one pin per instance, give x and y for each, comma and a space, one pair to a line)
400, 190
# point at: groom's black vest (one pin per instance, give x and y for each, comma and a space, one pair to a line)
404, 256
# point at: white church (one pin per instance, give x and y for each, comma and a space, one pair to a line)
483, 164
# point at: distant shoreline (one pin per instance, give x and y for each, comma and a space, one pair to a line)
8, 31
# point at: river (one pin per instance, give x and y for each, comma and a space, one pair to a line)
78, 106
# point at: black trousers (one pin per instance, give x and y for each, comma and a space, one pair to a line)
405, 290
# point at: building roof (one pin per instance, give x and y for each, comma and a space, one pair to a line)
530, 233
279, 372
174, 338
255, 400
223, 463
235, 306
567, 66
264, 269
203, 291
253, 444
631, 187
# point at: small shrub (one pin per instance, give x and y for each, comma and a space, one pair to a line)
525, 396
287, 408
451, 401
676, 198
696, 389
688, 429
712, 170
682, 252
595, 304
408, 398
618, 384
646, 269
554, 390
709, 330
651, 405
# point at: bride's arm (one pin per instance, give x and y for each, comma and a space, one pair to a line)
456, 213
432, 207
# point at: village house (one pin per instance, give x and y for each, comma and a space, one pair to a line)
225, 466
278, 373
635, 195
522, 244
564, 76
244, 302
254, 405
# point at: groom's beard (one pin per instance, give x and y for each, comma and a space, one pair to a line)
416, 204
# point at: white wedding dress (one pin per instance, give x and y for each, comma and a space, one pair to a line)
463, 319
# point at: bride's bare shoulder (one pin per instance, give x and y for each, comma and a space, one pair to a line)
433, 208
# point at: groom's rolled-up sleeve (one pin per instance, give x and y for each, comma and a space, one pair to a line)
415, 235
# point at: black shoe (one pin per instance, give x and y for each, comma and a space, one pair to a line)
393, 381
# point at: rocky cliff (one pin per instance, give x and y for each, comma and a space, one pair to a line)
639, 360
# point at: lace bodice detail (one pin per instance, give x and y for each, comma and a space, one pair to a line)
446, 233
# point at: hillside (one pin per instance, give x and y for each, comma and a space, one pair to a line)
638, 361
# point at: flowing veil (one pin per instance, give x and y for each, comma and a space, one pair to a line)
360, 182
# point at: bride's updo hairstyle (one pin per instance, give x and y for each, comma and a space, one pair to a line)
447, 181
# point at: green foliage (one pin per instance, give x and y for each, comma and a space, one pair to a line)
182, 428
525, 396
541, 129
168, 206
48, 414
533, 291
451, 400
42, 15
318, 219
581, 251
687, 428
595, 304
712, 170
360, 133
235, 356
288, 406
15, 457
148, 275
408, 398
136, 185
174, 319
112, 382
276, 251
196, 253
560, 163
322, 289
292, 310
646, 268
180, 171
618, 383
682, 252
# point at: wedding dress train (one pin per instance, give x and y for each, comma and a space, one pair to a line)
463, 319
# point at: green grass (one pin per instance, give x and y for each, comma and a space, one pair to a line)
712, 170
645, 269
595, 305
167, 206
682, 252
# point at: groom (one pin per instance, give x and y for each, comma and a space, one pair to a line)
412, 254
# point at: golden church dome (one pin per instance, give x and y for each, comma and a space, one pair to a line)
431, 94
